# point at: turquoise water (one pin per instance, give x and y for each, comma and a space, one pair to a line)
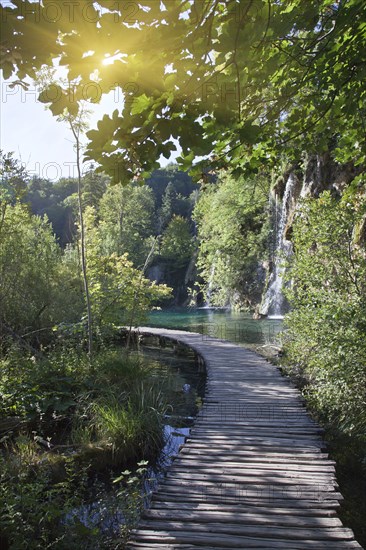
237, 327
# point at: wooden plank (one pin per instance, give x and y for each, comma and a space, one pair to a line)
235, 541
263, 492
217, 429
256, 424
187, 460
250, 476
262, 546
244, 477
243, 445
262, 531
246, 508
245, 501
259, 468
250, 453
194, 450
260, 446
253, 424
243, 431
248, 518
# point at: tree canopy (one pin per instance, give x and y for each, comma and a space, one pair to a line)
232, 225
237, 80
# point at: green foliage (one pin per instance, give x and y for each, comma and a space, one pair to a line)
28, 389
115, 405
167, 206
326, 327
42, 285
13, 181
34, 508
120, 424
93, 188
119, 292
38, 511
58, 201
132, 497
177, 244
53, 200
159, 180
128, 218
47, 387
174, 204
38, 387
242, 77
109, 413
32, 275
127, 221
232, 226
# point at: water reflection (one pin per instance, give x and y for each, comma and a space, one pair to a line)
236, 327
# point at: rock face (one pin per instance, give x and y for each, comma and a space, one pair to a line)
318, 173
182, 280
156, 273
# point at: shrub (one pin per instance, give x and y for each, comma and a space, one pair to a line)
326, 328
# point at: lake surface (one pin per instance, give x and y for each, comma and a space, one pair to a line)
236, 327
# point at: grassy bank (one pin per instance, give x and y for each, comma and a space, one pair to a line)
62, 419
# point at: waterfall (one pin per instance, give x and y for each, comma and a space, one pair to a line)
274, 302
210, 285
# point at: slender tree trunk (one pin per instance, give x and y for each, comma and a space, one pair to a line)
137, 292
82, 239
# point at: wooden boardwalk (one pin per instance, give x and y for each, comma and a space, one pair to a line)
253, 472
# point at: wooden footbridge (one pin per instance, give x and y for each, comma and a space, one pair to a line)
253, 472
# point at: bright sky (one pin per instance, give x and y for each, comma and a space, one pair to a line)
28, 129
42, 144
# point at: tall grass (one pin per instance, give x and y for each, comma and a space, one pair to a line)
127, 427
106, 414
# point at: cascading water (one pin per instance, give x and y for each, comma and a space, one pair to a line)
274, 302
210, 285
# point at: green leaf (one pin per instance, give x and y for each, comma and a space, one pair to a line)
51, 94
249, 133
140, 104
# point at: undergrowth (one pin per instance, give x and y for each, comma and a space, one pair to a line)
73, 419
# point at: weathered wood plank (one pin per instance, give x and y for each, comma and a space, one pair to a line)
294, 427
262, 531
265, 491
187, 460
250, 453
249, 475
246, 508
246, 501
261, 546
248, 518
235, 541
260, 447
246, 478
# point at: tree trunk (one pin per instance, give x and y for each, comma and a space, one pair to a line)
82, 239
